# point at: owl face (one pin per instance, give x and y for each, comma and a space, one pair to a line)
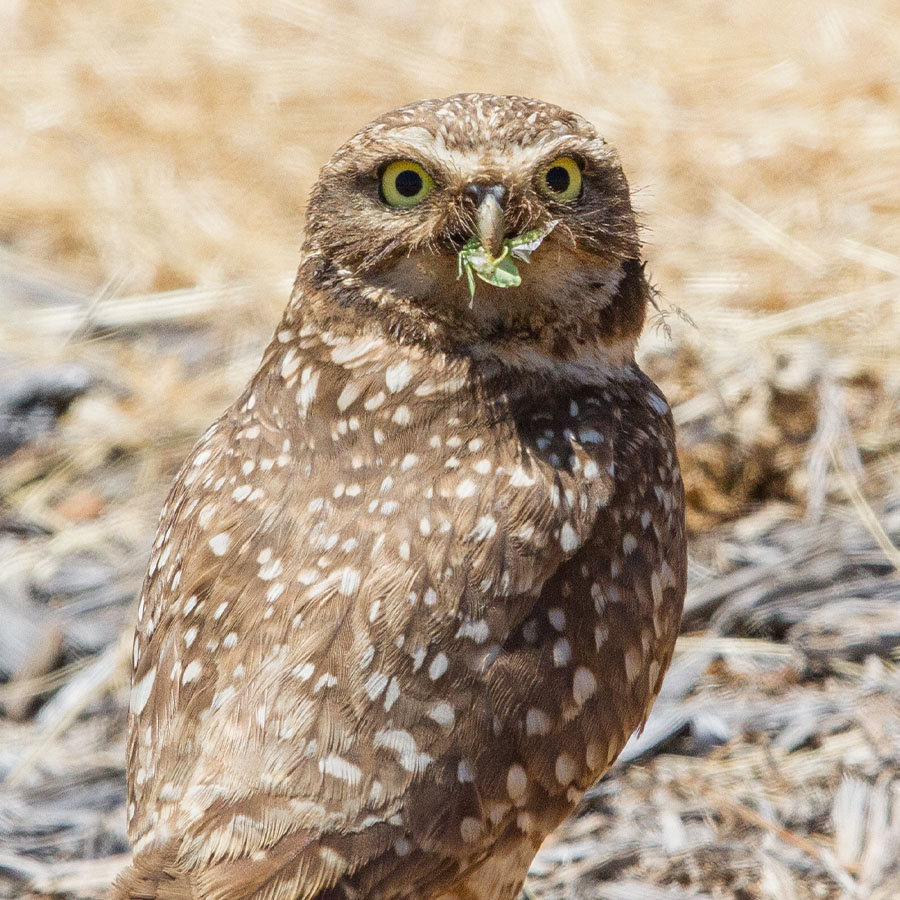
398, 202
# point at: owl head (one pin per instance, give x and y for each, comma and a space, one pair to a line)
395, 206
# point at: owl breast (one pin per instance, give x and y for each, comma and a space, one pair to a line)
442, 616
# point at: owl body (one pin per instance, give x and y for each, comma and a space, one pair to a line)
412, 593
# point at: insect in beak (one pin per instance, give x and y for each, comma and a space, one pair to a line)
497, 266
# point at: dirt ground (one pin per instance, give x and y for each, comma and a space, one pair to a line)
154, 164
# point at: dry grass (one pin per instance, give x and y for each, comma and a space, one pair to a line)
154, 164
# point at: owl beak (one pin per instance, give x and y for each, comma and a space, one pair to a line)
490, 225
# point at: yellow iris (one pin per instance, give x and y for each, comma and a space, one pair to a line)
561, 180
405, 183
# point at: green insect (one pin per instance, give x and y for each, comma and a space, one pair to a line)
500, 270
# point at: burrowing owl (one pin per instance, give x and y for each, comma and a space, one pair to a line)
412, 593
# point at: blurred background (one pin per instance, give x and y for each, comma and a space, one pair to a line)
155, 159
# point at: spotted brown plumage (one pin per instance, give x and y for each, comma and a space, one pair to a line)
411, 594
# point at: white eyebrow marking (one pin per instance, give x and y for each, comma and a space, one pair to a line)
417, 141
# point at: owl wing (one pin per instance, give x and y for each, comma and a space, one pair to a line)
311, 645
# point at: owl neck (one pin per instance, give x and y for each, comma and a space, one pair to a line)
343, 307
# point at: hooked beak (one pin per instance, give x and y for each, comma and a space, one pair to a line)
490, 225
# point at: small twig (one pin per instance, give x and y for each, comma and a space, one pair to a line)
866, 513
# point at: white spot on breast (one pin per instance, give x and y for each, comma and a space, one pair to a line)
403, 744
191, 672
219, 543
562, 652
526, 532
140, 693
629, 543
202, 457
206, 514
375, 685
408, 461
401, 416
470, 828
464, 773
271, 570
290, 363
438, 666
537, 722
656, 589
443, 714
220, 610
350, 392
584, 684
375, 401
353, 351
303, 672
475, 629
485, 529
653, 674
349, 582
340, 768
309, 383
229, 640
516, 783
398, 376
632, 664
557, 618
325, 681
591, 470
242, 493
520, 478
589, 436
392, 694
566, 769
466, 488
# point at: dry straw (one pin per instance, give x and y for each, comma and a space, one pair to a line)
155, 158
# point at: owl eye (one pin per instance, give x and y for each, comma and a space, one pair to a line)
405, 183
561, 180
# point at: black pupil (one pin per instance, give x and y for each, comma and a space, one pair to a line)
408, 183
558, 179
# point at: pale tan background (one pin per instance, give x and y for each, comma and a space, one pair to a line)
155, 158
